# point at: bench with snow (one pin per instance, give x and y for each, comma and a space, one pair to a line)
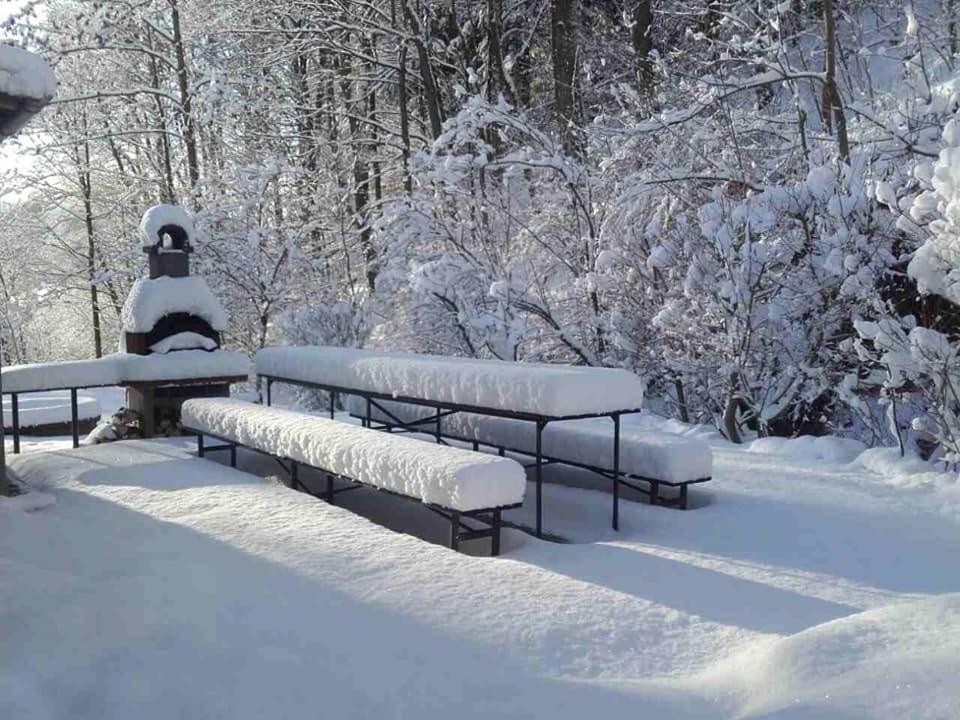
659, 459
454, 483
534, 393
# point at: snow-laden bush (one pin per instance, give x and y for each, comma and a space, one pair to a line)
496, 247
753, 294
920, 352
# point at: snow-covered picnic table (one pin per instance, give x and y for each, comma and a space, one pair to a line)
538, 393
182, 366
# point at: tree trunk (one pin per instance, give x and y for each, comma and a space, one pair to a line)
832, 109
730, 413
564, 49
496, 79
643, 47
431, 96
186, 101
86, 188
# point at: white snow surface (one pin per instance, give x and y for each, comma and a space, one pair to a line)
552, 390
48, 409
185, 365
25, 75
121, 368
648, 453
183, 341
446, 476
160, 585
152, 298
159, 216
55, 375
829, 447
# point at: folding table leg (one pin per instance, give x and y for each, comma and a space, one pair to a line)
74, 418
199, 444
454, 530
495, 537
616, 472
538, 477
15, 412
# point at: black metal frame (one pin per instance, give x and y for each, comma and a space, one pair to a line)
443, 408
652, 492
459, 530
74, 410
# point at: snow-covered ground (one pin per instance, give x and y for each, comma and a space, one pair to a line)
140, 581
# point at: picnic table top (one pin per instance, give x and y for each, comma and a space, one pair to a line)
532, 390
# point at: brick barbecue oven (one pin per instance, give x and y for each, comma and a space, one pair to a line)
167, 313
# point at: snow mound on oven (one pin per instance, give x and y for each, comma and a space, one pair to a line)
160, 216
152, 298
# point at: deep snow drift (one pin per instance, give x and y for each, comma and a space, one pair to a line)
160, 585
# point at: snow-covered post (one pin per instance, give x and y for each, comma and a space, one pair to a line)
27, 84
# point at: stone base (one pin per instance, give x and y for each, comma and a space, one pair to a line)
159, 406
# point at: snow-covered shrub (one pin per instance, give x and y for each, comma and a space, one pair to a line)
497, 245
919, 352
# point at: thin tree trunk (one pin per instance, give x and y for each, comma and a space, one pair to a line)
564, 50
431, 96
87, 190
186, 101
643, 47
833, 113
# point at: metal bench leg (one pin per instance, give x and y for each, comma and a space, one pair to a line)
233, 455
616, 472
333, 404
199, 444
476, 446
501, 451
330, 497
654, 492
538, 476
454, 530
683, 497
74, 419
294, 475
437, 431
495, 536
15, 412
269, 392
366, 420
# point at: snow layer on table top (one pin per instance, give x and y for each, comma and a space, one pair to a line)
159, 216
72, 373
123, 367
449, 477
151, 299
185, 365
183, 341
779, 601
551, 390
48, 409
657, 455
25, 75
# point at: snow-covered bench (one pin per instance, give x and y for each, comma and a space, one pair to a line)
539, 394
457, 483
656, 458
